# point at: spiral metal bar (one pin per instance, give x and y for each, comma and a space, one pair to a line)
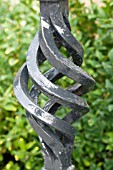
56, 135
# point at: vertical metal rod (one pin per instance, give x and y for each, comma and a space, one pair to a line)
56, 135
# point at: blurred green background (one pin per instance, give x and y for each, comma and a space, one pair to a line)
93, 27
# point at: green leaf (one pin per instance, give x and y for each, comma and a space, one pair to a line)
108, 68
10, 107
13, 61
87, 163
108, 84
110, 55
110, 107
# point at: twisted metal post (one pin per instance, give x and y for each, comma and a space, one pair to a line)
56, 135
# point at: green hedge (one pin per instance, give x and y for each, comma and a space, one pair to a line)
93, 27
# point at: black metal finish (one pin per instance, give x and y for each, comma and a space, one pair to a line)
56, 135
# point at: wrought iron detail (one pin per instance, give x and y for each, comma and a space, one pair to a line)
56, 135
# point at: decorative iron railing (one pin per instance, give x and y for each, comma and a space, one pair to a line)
56, 135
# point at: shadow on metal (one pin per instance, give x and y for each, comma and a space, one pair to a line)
56, 135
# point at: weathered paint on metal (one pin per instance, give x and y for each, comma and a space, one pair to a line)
56, 135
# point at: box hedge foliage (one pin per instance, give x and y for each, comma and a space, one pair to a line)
93, 27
